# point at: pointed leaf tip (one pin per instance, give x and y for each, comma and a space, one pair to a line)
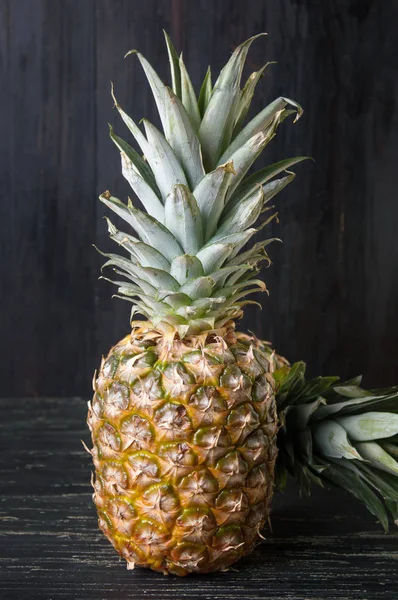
106, 195
133, 51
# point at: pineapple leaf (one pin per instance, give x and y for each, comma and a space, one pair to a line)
140, 165
145, 193
205, 93
133, 128
157, 86
145, 254
370, 425
157, 278
332, 440
378, 457
132, 289
393, 508
261, 177
149, 230
242, 216
357, 405
358, 488
174, 65
198, 288
385, 483
210, 196
245, 156
256, 251
216, 128
188, 96
214, 256
183, 139
246, 98
183, 219
237, 239
177, 126
186, 267
270, 190
261, 122
168, 171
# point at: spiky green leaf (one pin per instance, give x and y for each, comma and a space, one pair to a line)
148, 229
186, 267
188, 96
205, 93
217, 125
174, 65
183, 219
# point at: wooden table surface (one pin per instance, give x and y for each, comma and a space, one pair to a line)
322, 548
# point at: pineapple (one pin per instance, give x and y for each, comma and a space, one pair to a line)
183, 419
340, 434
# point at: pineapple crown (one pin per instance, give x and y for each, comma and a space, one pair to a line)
339, 433
186, 271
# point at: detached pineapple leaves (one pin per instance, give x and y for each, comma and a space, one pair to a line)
205, 93
384, 483
342, 457
358, 488
149, 230
183, 219
218, 121
164, 163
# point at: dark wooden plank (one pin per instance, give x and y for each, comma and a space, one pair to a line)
333, 284
324, 548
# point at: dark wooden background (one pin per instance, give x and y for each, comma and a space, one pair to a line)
334, 282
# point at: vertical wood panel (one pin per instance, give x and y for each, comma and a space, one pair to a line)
48, 304
334, 282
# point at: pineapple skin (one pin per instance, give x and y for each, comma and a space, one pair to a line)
184, 449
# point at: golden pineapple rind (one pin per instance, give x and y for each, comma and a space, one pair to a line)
184, 448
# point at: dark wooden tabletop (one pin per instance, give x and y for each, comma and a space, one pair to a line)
322, 548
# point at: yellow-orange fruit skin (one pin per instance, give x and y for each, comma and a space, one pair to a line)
184, 448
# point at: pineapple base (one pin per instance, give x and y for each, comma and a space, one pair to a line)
184, 448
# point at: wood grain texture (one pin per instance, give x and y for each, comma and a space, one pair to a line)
323, 548
334, 282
